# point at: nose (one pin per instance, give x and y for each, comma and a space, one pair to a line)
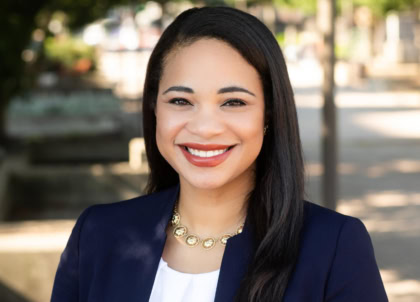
206, 122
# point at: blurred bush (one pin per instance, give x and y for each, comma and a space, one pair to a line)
70, 52
280, 37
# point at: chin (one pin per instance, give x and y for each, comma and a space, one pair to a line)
206, 184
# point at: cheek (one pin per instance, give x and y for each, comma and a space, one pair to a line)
253, 137
249, 126
254, 132
249, 129
168, 125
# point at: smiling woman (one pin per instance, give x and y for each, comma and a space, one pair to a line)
224, 217
210, 100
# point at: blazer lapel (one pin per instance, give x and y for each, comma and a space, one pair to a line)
236, 258
238, 254
162, 208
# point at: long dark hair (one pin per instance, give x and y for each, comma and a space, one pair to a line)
275, 205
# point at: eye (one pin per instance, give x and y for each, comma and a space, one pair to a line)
179, 102
234, 103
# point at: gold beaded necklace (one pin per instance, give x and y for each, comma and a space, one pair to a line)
191, 240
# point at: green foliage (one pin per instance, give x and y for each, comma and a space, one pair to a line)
280, 37
16, 25
342, 52
81, 12
67, 50
382, 7
306, 6
18, 20
378, 7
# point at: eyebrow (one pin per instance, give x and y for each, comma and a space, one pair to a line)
234, 89
179, 88
221, 90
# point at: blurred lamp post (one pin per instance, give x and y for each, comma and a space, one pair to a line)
326, 20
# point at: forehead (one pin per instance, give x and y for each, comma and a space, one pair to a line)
208, 63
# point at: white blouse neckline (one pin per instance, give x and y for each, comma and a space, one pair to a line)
165, 266
174, 286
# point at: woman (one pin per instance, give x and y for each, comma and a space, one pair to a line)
224, 218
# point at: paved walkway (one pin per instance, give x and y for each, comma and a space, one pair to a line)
379, 154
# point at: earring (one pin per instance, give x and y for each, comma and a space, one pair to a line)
265, 129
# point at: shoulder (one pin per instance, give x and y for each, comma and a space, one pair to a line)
337, 251
336, 259
145, 204
323, 235
319, 220
325, 230
146, 209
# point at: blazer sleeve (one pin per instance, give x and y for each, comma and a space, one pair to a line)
354, 274
66, 283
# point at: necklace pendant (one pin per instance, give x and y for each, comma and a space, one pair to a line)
209, 243
240, 229
180, 231
224, 239
191, 240
176, 218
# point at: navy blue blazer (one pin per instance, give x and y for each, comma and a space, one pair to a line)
114, 250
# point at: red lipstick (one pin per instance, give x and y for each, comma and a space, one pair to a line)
207, 147
206, 161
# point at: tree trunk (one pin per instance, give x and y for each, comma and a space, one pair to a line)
326, 21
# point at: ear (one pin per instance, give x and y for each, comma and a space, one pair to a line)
267, 119
265, 129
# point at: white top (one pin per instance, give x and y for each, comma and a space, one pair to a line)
171, 285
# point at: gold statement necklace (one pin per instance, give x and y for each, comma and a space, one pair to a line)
181, 231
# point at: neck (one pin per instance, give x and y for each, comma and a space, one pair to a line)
213, 212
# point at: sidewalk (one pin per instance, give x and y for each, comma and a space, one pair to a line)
379, 166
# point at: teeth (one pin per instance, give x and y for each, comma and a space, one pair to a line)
201, 153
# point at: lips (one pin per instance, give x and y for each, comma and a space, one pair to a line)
209, 155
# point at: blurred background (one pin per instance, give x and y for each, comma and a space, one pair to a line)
71, 83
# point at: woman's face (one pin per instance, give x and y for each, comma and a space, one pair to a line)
210, 114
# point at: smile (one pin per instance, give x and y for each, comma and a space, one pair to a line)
201, 153
206, 155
